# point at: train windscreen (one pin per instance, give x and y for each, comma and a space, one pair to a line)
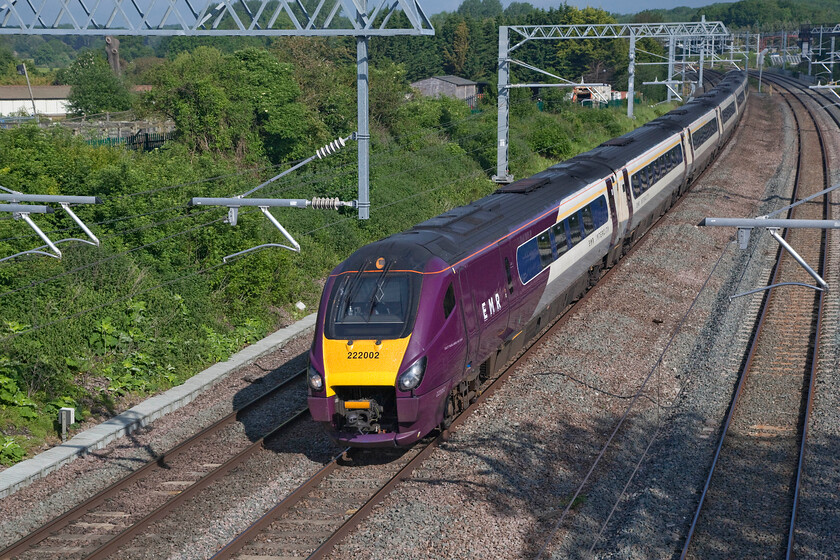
373, 305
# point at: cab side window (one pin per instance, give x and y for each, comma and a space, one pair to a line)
448, 301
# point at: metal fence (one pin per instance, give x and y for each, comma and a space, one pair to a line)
145, 141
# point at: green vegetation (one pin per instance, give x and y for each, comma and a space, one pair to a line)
95, 88
756, 15
154, 304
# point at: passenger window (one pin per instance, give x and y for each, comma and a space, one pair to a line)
449, 300
574, 229
559, 230
544, 245
588, 222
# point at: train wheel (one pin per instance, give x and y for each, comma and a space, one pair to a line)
448, 414
595, 274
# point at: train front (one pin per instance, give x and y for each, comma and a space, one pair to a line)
372, 381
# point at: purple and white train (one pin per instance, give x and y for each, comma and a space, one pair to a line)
410, 326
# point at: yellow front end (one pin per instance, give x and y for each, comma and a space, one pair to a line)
362, 363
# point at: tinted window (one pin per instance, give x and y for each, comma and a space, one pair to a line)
637, 185
528, 260
562, 236
559, 230
702, 135
588, 222
599, 211
728, 111
544, 243
373, 305
656, 170
574, 229
449, 301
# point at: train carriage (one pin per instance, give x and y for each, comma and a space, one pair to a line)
410, 326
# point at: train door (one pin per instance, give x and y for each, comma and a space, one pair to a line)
689, 145
627, 187
686, 162
613, 211
488, 288
468, 315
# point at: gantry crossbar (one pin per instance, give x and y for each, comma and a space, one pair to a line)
700, 29
702, 32
213, 17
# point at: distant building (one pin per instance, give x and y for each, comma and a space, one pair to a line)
49, 100
450, 86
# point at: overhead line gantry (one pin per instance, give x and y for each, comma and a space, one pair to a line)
512, 37
361, 19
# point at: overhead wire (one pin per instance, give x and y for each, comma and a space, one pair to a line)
170, 282
639, 394
163, 222
376, 158
74, 270
131, 230
148, 226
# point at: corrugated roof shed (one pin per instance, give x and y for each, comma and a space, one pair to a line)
38, 92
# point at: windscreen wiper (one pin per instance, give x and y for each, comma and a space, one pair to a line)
352, 285
379, 283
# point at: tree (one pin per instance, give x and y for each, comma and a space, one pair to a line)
325, 70
94, 87
456, 56
578, 57
518, 9
480, 8
245, 103
7, 62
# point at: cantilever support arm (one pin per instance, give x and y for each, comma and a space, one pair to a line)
668, 84
21, 212
65, 202
295, 245
745, 227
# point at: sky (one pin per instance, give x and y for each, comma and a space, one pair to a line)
614, 6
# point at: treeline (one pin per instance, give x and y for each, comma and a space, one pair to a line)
466, 41
754, 15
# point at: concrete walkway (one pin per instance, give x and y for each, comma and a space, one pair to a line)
27, 471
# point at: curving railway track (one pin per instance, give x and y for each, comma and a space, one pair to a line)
749, 503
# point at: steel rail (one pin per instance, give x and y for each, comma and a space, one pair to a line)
753, 348
813, 373
817, 95
571, 502
214, 476
157, 462
816, 347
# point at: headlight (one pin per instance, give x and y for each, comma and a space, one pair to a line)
316, 382
411, 378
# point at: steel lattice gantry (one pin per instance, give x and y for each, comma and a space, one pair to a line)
814, 48
702, 31
212, 17
358, 18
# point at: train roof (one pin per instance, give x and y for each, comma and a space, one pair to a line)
458, 233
